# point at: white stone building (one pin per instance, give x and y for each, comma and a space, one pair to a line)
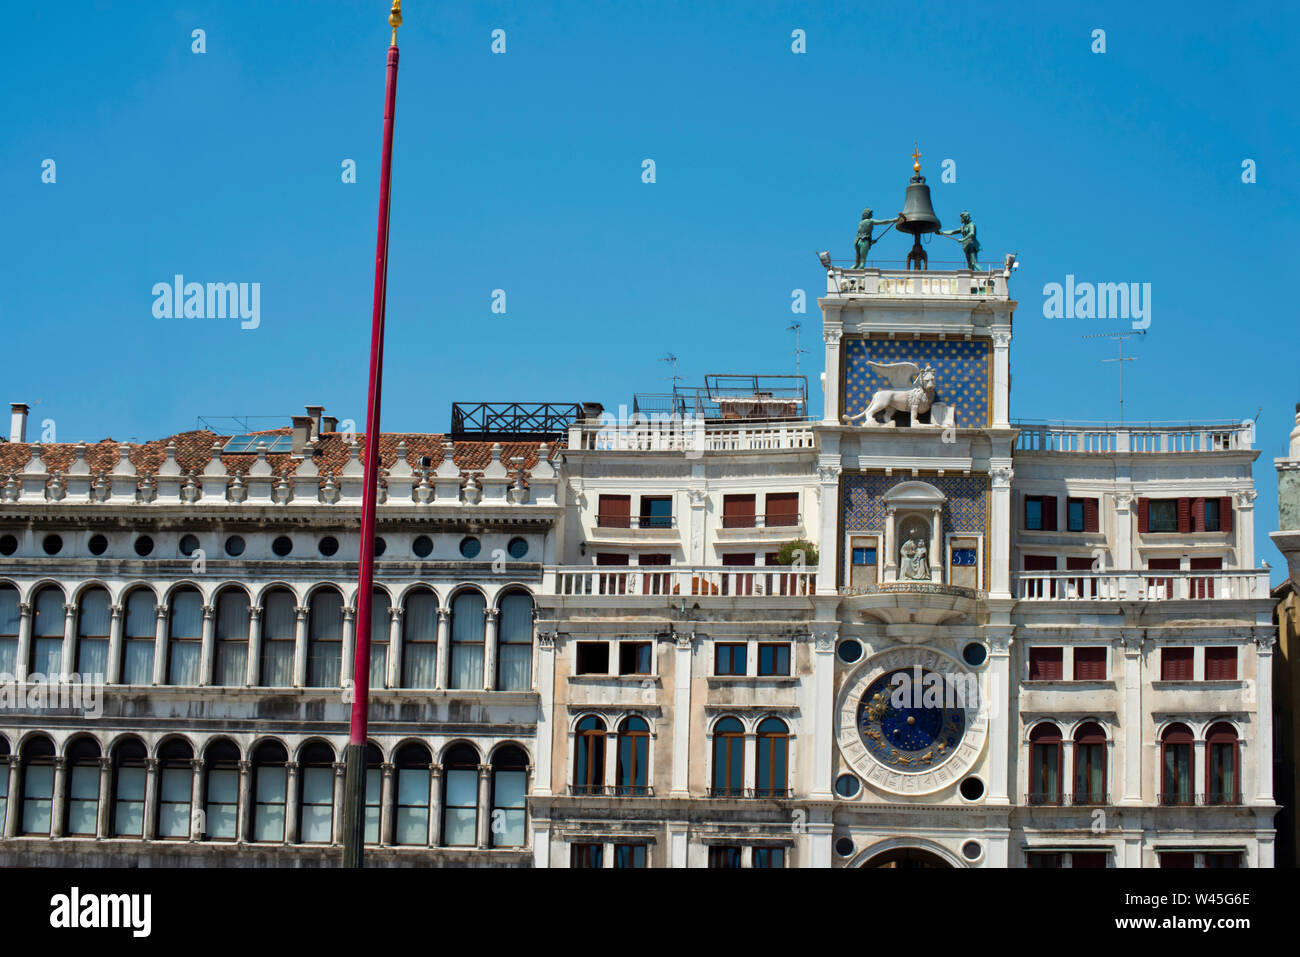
1018, 645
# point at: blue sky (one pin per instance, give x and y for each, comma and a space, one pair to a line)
522, 172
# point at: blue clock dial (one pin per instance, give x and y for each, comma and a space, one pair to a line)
900, 730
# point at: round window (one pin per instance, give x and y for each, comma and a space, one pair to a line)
422, 546
328, 545
53, 544
234, 545
470, 547
847, 785
98, 544
850, 650
8, 544
974, 654
972, 788
144, 546
844, 846
381, 546
517, 548
282, 546
971, 850
189, 544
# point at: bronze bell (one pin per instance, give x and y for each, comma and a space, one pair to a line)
918, 214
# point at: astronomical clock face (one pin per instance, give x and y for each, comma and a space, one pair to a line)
910, 720
904, 731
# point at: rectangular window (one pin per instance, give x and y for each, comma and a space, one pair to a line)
38, 797
1211, 513
593, 658
656, 512
655, 583
1221, 664
729, 659
724, 856
737, 511
1045, 664
174, 790
1163, 515
128, 804
411, 823
1074, 515
269, 798
1229, 859
769, 857
773, 658
223, 800
1095, 859
782, 509
864, 559
864, 556
83, 798
317, 815
1089, 664
586, 855
630, 855
510, 804
1042, 859
461, 813
634, 657
1040, 513
614, 511
1176, 664
1181, 859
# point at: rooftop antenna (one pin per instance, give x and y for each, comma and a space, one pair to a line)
794, 327
1119, 337
674, 378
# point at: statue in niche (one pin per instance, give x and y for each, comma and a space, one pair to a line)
912, 391
865, 240
914, 560
969, 244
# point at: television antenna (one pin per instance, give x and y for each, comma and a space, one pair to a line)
1119, 338
794, 327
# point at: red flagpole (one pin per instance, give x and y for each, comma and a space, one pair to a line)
354, 797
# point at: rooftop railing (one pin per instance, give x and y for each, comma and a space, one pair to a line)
1142, 585
1150, 437
680, 580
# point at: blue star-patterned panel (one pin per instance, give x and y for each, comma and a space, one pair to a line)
962, 368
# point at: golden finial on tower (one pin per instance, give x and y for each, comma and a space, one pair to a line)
916, 154
395, 19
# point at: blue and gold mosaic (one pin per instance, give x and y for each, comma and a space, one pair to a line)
965, 512
962, 373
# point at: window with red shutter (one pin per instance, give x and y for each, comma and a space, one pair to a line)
1144, 515
1045, 664
1204, 587
1082, 587
782, 508
1049, 513
1176, 664
1184, 515
614, 511
1198, 515
1221, 664
1089, 664
1225, 514
737, 511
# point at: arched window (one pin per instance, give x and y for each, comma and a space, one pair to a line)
420, 640
138, 631
1223, 785
316, 801
633, 756
231, 665
270, 789
509, 796
728, 758
412, 770
279, 627
460, 797
221, 823
1090, 764
37, 785
4, 777
175, 789
773, 738
374, 794
379, 615
467, 624
93, 625
185, 637
1045, 764
47, 632
81, 816
589, 756
128, 788
1176, 765
515, 643
10, 622
324, 639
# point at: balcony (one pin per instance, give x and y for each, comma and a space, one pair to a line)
732, 581
1057, 799
749, 793
623, 520
939, 283
692, 436
1188, 799
611, 790
1149, 438
1142, 585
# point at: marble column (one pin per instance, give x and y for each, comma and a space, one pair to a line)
435, 805
681, 714
254, 645
340, 774
68, 659
545, 710
104, 826
160, 646
300, 648
1131, 720
245, 809
113, 673
150, 798
291, 801
198, 813
443, 652
1000, 476
395, 648
998, 692
484, 807
387, 805
1263, 738
490, 649
206, 647
347, 670
24, 641
58, 810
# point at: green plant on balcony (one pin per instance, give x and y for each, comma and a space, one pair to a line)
790, 552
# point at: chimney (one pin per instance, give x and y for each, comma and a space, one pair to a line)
329, 423
315, 411
18, 422
302, 432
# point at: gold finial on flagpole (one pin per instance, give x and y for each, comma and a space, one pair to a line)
395, 19
916, 153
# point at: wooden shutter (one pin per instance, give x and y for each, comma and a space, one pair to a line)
1198, 514
1049, 513
1144, 515
782, 508
1091, 522
1042, 563
1089, 664
1045, 664
745, 560
1176, 664
614, 511
608, 558
1225, 514
1221, 664
737, 511
1184, 515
